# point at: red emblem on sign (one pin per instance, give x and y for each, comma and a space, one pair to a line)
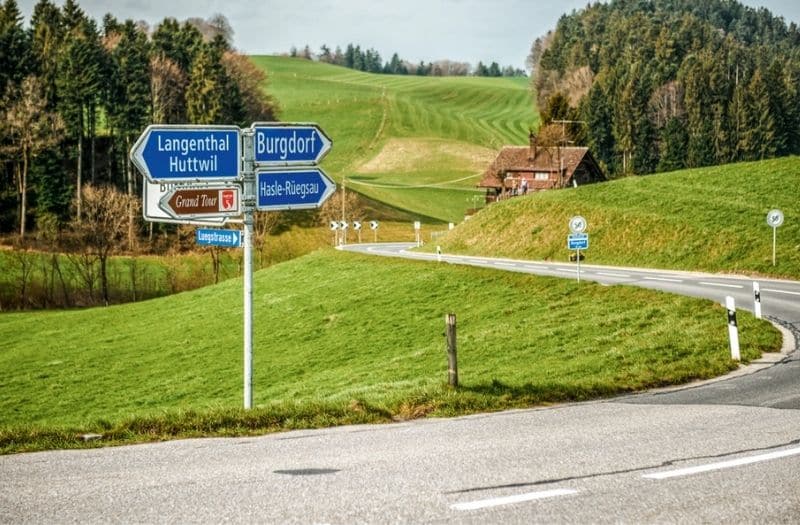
227, 200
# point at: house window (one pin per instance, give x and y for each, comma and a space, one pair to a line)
542, 176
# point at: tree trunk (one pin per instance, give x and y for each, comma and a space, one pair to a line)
80, 174
92, 133
129, 171
24, 194
104, 277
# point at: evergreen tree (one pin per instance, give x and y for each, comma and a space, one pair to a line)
595, 112
699, 100
204, 97
349, 56
758, 140
130, 99
80, 74
14, 47
46, 37
672, 145
325, 54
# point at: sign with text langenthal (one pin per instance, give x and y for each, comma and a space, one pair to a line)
184, 153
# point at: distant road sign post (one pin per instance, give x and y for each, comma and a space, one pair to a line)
775, 220
578, 242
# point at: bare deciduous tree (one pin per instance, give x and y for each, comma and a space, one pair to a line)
103, 227
251, 81
168, 85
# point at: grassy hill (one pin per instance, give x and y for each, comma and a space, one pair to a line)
390, 132
710, 219
329, 350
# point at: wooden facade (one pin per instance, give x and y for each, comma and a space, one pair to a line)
518, 170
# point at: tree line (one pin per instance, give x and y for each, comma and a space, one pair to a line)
658, 85
369, 60
76, 95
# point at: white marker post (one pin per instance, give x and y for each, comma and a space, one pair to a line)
757, 300
438, 254
733, 328
374, 227
417, 227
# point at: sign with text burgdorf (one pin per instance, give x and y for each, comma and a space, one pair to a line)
286, 144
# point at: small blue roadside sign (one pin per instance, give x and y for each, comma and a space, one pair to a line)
166, 153
292, 189
578, 241
281, 144
223, 238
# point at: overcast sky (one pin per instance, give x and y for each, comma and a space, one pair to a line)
461, 30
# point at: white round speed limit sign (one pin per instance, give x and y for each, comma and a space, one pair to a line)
577, 224
775, 218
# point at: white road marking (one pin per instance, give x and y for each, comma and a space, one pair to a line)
722, 285
613, 274
723, 464
664, 279
536, 268
508, 500
779, 291
571, 270
510, 265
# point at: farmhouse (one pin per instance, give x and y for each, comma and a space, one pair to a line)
518, 170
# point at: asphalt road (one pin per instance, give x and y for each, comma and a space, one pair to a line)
727, 451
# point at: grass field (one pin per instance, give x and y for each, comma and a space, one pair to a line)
711, 219
451, 128
330, 349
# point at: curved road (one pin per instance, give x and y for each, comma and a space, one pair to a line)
727, 451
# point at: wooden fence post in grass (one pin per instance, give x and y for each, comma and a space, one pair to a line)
452, 361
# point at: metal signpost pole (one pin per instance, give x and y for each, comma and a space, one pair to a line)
578, 258
248, 207
774, 243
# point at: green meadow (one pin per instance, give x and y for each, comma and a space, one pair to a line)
419, 144
711, 219
343, 338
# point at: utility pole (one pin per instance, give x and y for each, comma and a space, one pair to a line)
564, 141
344, 230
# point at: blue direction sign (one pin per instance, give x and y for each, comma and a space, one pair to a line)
224, 238
188, 153
292, 189
578, 241
280, 144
